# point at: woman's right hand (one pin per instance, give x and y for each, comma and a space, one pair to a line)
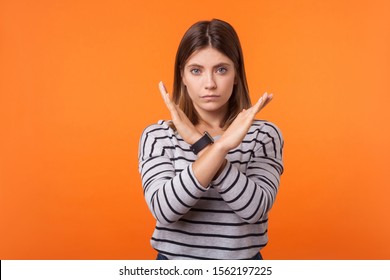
183, 125
236, 132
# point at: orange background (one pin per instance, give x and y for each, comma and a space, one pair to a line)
78, 83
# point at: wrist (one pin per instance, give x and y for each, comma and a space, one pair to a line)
195, 137
202, 143
219, 144
218, 149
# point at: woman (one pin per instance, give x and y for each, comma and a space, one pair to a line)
210, 176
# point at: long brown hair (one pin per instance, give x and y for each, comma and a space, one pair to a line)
221, 36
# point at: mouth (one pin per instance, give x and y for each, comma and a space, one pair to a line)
210, 97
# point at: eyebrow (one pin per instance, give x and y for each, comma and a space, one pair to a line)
215, 66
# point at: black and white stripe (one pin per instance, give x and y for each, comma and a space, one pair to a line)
226, 220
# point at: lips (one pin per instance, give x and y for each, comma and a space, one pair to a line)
210, 96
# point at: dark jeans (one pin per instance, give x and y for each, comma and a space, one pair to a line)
258, 256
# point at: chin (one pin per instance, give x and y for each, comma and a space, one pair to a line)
212, 106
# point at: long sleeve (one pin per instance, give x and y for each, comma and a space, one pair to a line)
227, 220
251, 192
169, 192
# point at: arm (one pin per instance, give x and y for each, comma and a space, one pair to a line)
251, 195
212, 159
168, 194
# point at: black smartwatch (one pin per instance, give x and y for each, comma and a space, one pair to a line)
204, 141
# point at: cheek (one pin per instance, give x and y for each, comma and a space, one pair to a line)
187, 81
191, 82
229, 83
191, 92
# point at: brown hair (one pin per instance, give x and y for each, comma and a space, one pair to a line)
221, 36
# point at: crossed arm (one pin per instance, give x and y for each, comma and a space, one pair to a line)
212, 160
170, 194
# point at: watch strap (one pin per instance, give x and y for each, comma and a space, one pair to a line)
204, 141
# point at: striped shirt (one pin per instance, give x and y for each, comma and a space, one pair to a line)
226, 220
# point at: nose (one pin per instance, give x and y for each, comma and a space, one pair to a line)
210, 82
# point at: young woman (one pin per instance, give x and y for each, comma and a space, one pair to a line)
211, 174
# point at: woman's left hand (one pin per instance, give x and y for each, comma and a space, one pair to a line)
183, 125
236, 132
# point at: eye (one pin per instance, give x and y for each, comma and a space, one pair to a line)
195, 71
221, 70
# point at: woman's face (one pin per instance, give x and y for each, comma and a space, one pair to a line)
209, 77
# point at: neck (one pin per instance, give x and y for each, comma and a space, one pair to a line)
210, 122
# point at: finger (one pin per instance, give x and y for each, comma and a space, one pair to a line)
162, 88
172, 107
270, 96
259, 104
163, 92
265, 99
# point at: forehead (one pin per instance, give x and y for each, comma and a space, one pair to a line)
208, 56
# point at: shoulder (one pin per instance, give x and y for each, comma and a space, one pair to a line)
161, 128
